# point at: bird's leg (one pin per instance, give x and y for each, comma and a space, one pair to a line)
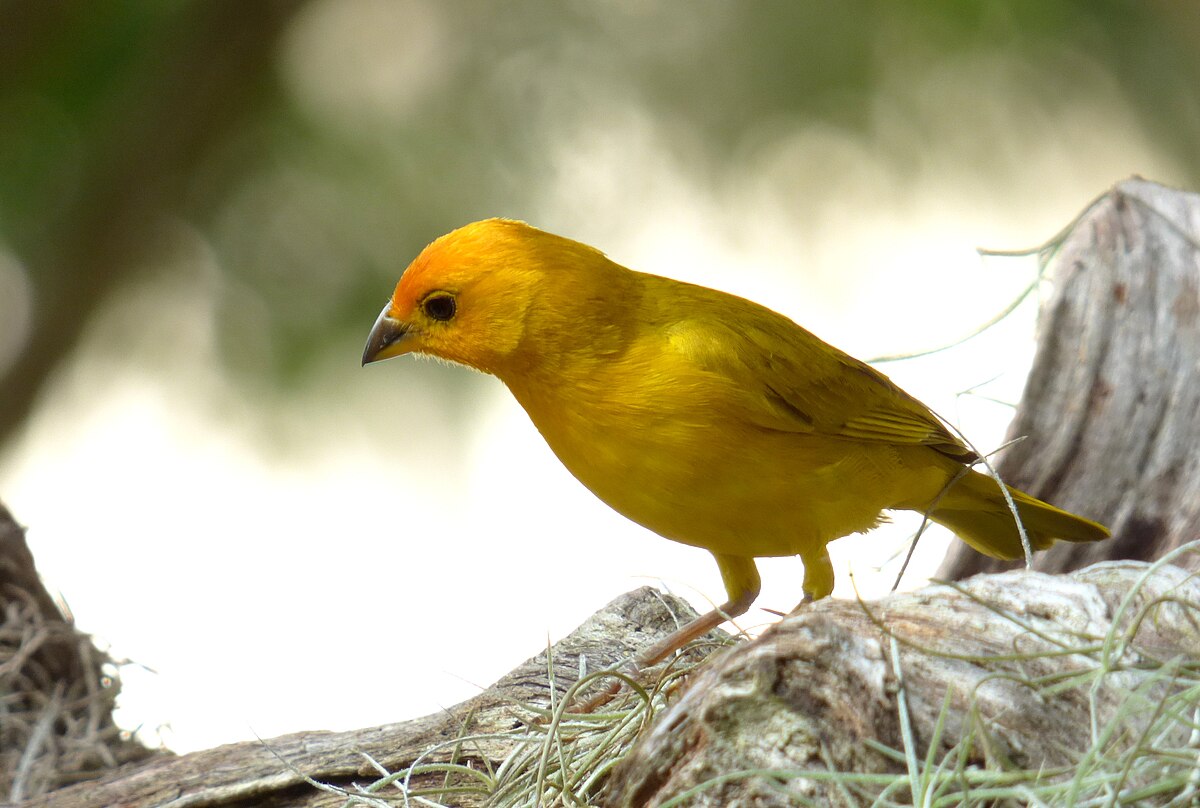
818, 577
742, 584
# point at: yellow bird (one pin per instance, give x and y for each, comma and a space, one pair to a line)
707, 418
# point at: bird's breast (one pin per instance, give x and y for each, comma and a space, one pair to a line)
679, 466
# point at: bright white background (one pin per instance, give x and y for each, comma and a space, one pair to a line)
363, 561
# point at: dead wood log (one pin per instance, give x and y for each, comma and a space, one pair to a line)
273, 772
1110, 417
1012, 671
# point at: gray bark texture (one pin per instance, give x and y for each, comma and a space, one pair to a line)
821, 691
1110, 418
274, 772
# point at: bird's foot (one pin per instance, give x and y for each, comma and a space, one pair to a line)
803, 603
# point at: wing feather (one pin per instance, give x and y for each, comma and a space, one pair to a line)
785, 378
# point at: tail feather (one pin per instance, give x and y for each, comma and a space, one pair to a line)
977, 512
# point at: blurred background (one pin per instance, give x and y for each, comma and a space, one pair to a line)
204, 205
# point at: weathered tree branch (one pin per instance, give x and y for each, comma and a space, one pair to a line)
821, 691
273, 772
1111, 412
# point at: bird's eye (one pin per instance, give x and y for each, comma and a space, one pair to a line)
440, 306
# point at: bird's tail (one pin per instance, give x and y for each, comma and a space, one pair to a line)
977, 512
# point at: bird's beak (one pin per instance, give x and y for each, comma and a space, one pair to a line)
387, 338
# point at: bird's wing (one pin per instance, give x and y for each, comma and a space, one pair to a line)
782, 377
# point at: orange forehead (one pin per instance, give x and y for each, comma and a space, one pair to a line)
452, 258
404, 297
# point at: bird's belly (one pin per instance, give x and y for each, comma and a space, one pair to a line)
749, 492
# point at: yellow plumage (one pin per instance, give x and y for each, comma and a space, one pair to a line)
707, 418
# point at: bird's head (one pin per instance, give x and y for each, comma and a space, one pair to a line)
468, 296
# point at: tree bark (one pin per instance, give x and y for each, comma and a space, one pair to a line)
821, 690
1110, 417
273, 772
